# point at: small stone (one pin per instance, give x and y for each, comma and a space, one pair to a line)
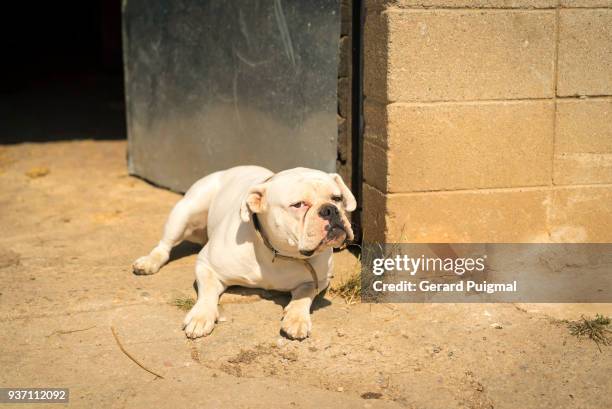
37, 172
496, 325
9, 258
340, 389
280, 342
340, 333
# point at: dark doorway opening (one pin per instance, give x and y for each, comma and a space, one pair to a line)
62, 71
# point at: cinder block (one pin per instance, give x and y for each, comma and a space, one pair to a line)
586, 3
374, 225
346, 15
584, 125
443, 55
512, 216
453, 146
344, 50
585, 52
343, 138
344, 97
375, 56
375, 165
583, 168
581, 214
343, 160
583, 143
375, 121
344, 170
505, 4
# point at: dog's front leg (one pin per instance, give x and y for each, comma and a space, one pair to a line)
202, 317
296, 322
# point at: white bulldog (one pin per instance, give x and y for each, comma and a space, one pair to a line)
265, 230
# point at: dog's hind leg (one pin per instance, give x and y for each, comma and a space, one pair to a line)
174, 233
188, 216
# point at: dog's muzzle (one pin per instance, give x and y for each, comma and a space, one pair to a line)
335, 228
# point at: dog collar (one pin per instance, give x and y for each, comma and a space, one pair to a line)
276, 254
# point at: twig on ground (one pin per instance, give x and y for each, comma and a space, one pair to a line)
130, 356
62, 332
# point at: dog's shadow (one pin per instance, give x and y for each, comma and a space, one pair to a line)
278, 297
185, 249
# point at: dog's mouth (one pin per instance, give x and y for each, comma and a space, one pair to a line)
335, 237
308, 253
335, 232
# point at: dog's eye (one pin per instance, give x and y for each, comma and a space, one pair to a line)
337, 198
297, 205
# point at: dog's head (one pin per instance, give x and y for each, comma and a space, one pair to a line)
303, 211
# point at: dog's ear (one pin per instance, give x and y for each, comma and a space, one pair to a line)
254, 202
348, 200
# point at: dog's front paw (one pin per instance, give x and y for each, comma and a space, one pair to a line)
146, 265
199, 322
296, 324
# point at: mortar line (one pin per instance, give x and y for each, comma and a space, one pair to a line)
374, 100
555, 91
550, 199
416, 9
494, 189
450, 9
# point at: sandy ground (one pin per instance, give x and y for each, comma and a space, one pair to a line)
69, 237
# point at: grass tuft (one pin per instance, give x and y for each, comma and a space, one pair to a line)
183, 303
595, 329
350, 290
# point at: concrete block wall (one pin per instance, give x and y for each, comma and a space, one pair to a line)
488, 121
344, 158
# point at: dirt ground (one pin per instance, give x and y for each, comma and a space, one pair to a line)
72, 222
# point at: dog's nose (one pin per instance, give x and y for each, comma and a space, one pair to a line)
328, 212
